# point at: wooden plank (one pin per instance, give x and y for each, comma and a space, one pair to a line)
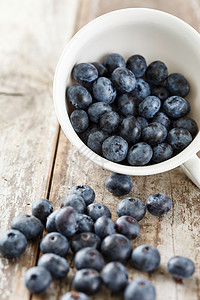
32, 36
174, 234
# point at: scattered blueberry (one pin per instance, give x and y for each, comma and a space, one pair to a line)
55, 264
97, 210
187, 123
133, 207
177, 84
113, 61
161, 92
158, 204
130, 129
140, 289
123, 80
115, 148
67, 221
85, 239
162, 118
137, 64
85, 224
102, 71
50, 224
176, 107
74, 200
37, 280
119, 184
87, 281
54, 242
142, 89
127, 226
103, 90
74, 296
154, 133
104, 226
79, 120
115, 276
149, 107
109, 122
30, 226
181, 267
140, 154
12, 243
97, 109
84, 73
145, 258
179, 138
79, 96
143, 122
41, 209
89, 257
156, 72
162, 152
116, 247
85, 191
127, 104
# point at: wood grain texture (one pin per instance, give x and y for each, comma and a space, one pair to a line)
37, 34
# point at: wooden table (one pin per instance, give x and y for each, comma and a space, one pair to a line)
37, 160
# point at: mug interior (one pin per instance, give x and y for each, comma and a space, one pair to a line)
155, 35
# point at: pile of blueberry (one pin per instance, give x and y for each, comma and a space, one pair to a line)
129, 112
100, 246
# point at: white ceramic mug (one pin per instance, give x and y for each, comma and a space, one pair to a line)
155, 35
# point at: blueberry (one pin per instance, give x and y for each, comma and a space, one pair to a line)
104, 226
130, 129
179, 138
97, 210
74, 296
156, 72
140, 289
133, 207
102, 71
89, 257
161, 92
128, 226
37, 280
87, 281
115, 276
115, 148
187, 123
140, 154
142, 89
109, 122
143, 122
75, 201
84, 135
116, 247
79, 96
30, 226
97, 109
84, 73
103, 90
127, 104
149, 107
85, 224
158, 204
181, 267
119, 184
79, 120
176, 107
67, 221
154, 133
50, 224
162, 118
177, 84
85, 191
56, 243
162, 152
123, 80
55, 264
137, 64
145, 258
41, 209
83, 240
95, 141
12, 243
113, 61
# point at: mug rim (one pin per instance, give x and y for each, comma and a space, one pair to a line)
63, 116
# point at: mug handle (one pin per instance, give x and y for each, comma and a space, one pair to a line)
192, 169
